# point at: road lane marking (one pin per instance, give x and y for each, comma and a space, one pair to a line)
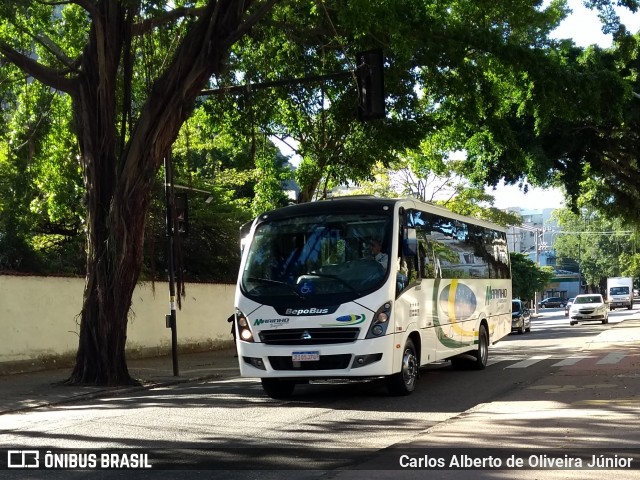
570, 360
611, 358
529, 361
571, 388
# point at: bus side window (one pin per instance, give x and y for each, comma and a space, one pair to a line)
408, 268
426, 264
407, 273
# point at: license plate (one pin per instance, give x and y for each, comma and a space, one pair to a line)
305, 356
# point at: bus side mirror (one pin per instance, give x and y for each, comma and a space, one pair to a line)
244, 235
410, 242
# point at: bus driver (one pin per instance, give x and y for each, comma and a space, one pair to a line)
375, 247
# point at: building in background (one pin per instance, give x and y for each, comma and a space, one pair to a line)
535, 238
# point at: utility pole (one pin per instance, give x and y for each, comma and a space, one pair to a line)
538, 232
170, 220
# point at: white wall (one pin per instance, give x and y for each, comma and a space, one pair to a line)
39, 318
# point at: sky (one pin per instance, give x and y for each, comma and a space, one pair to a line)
583, 26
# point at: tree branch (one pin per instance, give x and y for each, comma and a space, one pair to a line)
88, 5
251, 21
47, 43
46, 75
169, 17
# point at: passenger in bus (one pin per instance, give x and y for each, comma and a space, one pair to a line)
375, 247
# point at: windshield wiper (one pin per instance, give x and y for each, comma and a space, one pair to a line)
276, 282
335, 277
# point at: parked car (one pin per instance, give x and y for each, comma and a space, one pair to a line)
520, 317
551, 302
587, 308
568, 306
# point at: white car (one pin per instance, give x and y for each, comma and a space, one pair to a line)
587, 308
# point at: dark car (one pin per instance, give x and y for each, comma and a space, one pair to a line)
568, 306
552, 302
520, 317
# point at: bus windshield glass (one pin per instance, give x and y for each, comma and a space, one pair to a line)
332, 258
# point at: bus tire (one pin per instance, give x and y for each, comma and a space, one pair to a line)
482, 353
278, 389
404, 382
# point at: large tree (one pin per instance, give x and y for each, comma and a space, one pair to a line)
457, 74
123, 136
479, 77
528, 278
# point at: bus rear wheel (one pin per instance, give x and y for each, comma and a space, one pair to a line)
278, 389
404, 382
482, 353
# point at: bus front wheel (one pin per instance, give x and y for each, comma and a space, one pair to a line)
278, 389
404, 382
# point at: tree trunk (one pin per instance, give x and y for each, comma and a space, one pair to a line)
115, 222
310, 184
113, 265
118, 184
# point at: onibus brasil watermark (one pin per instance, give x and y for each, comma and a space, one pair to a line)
72, 460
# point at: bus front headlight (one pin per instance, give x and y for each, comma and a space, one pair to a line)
243, 327
380, 321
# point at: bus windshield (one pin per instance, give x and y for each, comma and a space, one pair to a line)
332, 258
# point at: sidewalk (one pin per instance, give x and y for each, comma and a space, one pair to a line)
24, 391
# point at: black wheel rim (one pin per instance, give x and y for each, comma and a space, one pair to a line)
409, 367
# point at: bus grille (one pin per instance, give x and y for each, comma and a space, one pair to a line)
309, 336
326, 362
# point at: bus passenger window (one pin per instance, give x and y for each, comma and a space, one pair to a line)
426, 264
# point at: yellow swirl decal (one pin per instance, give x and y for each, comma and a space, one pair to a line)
457, 301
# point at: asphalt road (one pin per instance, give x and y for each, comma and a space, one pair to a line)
229, 429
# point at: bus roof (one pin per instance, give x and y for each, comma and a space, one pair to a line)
369, 204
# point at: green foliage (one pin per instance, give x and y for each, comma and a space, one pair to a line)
304, 40
41, 190
446, 188
599, 246
475, 202
229, 178
481, 78
527, 277
588, 139
631, 266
